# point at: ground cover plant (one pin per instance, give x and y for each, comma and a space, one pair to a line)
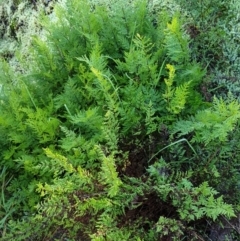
214, 30
107, 135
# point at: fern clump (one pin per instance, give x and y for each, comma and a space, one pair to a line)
91, 150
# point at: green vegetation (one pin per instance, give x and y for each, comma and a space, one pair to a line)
107, 133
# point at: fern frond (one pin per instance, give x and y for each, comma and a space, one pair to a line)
213, 124
177, 103
89, 122
60, 160
109, 175
111, 130
175, 97
176, 43
139, 61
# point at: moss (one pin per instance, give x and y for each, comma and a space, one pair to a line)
19, 21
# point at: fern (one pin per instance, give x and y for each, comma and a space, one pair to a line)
109, 175
89, 122
176, 43
198, 202
212, 124
175, 98
111, 130
62, 161
42, 124
167, 226
140, 60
